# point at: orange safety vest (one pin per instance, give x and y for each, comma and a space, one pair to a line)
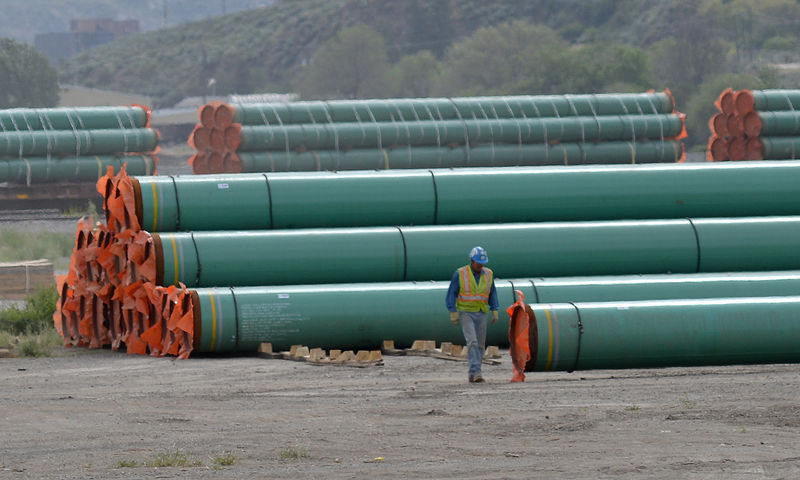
473, 296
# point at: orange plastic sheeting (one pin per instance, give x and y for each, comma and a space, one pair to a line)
718, 124
206, 113
223, 115
737, 149
233, 137
717, 150
200, 138
217, 140
200, 163
726, 102
215, 162
519, 337
735, 125
745, 102
231, 163
683, 133
755, 149
752, 124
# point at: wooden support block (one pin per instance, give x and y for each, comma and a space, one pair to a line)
335, 354
375, 356
316, 355
421, 345
492, 351
447, 347
458, 351
265, 348
362, 356
300, 352
388, 345
293, 350
345, 356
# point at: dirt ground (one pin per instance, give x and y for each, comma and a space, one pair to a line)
95, 414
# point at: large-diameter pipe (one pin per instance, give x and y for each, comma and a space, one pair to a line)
408, 109
656, 287
424, 197
88, 168
334, 136
664, 333
69, 118
363, 315
483, 155
388, 254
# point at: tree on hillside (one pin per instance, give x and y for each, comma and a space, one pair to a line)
26, 78
414, 75
353, 64
508, 58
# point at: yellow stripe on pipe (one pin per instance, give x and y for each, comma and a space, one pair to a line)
99, 166
549, 341
213, 322
175, 257
155, 207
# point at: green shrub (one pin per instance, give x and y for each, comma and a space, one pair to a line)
35, 317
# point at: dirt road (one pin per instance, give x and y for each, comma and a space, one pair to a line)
103, 414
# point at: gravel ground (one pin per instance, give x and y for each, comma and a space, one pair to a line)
102, 414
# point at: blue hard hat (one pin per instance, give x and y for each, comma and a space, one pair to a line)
478, 254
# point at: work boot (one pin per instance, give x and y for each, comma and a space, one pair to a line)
477, 378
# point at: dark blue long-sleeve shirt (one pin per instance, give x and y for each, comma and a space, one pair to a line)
455, 286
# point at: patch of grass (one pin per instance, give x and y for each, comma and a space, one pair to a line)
125, 464
75, 211
224, 460
292, 453
632, 408
35, 317
173, 459
6, 339
18, 245
687, 404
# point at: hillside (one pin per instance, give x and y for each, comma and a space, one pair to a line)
263, 49
259, 49
23, 20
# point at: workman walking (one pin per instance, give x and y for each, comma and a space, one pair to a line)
470, 297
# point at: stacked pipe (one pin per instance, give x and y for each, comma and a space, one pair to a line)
236, 278
437, 132
75, 144
755, 125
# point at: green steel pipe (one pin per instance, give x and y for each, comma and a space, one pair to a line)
288, 257
412, 109
616, 192
53, 169
335, 136
282, 257
767, 100
84, 118
363, 315
331, 316
423, 197
659, 287
501, 155
777, 148
760, 243
665, 333
77, 142
772, 124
